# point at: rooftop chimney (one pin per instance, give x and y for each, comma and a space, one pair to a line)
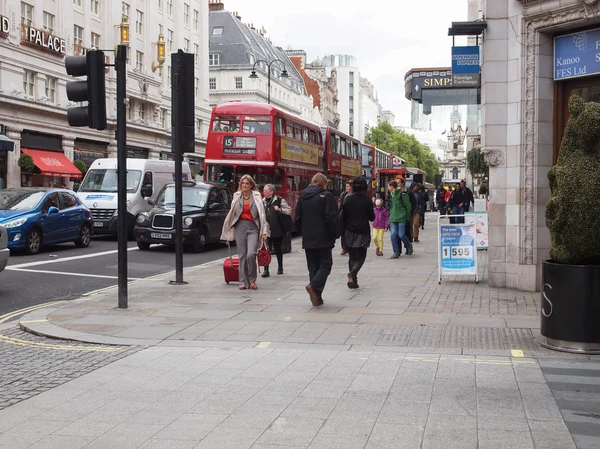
216, 5
237, 15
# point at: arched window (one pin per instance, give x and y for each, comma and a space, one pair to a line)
455, 173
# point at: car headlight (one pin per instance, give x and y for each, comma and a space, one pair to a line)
188, 221
15, 223
141, 218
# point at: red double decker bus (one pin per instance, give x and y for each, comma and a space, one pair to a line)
374, 161
344, 158
270, 145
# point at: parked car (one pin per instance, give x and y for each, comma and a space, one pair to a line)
4, 251
205, 206
34, 217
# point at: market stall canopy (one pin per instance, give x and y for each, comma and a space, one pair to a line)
52, 163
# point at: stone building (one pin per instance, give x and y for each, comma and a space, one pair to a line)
36, 36
536, 53
322, 88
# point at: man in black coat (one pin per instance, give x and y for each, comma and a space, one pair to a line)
316, 218
469, 199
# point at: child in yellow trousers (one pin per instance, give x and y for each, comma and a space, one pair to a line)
380, 225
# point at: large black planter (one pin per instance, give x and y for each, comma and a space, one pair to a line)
570, 307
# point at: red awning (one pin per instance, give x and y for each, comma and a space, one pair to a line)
52, 163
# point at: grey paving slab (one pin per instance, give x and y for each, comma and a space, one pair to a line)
504, 439
62, 442
291, 431
393, 436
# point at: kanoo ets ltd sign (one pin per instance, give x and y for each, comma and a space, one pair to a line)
42, 39
577, 55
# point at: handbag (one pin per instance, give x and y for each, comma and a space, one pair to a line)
263, 255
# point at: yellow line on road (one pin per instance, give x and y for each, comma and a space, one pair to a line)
33, 321
8, 316
517, 353
263, 344
34, 344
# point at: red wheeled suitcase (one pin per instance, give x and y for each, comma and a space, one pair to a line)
231, 267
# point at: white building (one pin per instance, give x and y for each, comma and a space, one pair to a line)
33, 99
388, 116
358, 105
235, 47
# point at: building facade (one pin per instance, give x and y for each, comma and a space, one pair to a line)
370, 111
524, 102
388, 116
36, 37
236, 49
319, 86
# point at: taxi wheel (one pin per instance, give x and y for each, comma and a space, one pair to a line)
199, 242
144, 246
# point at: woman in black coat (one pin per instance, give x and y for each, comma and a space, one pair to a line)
357, 212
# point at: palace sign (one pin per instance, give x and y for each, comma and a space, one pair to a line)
42, 39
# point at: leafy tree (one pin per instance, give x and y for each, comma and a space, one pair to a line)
406, 146
476, 163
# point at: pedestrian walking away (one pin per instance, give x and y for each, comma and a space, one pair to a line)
424, 201
246, 223
416, 213
440, 197
357, 212
343, 196
380, 225
400, 212
469, 198
456, 204
316, 218
275, 209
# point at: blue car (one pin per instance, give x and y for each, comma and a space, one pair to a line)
34, 217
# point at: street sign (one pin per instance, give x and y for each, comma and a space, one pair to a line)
576, 55
465, 66
457, 249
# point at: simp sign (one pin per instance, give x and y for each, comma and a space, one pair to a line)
577, 55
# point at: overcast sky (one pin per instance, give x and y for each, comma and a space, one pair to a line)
388, 37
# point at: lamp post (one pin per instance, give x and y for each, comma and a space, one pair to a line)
254, 76
160, 53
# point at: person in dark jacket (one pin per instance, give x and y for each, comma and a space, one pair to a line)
343, 197
316, 218
424, 201
440, 197
456, 204
416, 204
469, 199
357, 212
275, 206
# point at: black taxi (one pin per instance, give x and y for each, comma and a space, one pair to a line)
205, 206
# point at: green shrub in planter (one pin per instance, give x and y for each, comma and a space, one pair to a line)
26, 163
573, 212
81, 166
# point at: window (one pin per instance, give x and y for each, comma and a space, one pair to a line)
95, 6
212, 83
48, 22
186, 45
29, 84
139, 61
239, 84
26, 14
143, 112
196, 53
257, 125
68, 200
170, 7
78, 2
196, 20
305, 133
160, 29
126, 9
289, 130
169, 76
196, 87
214, 59
198, 126
130, 108
186, 13
226, 124
455, 173
147, 189
50, 89
297, 132
160, 4
170, 40
351, 129
217, 31
78, 35
280, 127
163, 118
139, 22
52, 201
95, 40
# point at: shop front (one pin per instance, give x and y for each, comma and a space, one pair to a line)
6, 145
525, 92
51, 168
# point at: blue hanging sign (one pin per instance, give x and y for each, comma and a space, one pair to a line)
577, 55
466, 66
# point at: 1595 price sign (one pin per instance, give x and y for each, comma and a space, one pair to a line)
457, 252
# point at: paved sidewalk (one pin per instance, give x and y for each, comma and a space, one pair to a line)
399, 303
241, 398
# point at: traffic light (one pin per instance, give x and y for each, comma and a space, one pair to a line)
182, 98
93, 90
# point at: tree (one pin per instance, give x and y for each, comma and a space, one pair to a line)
406, 146
476, 163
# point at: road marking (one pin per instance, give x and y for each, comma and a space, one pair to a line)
33, 321
34, 344
517, 353
68, 259
263, 345
8, 316
66, 273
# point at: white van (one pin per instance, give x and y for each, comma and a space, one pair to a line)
145, 178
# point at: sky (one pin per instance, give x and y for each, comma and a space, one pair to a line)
387, 40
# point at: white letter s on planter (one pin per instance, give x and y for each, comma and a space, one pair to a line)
549, 302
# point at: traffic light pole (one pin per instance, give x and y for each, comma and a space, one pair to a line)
121, 69
176, 122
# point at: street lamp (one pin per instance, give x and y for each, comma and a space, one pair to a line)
284, 74
160, 53
124, 30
